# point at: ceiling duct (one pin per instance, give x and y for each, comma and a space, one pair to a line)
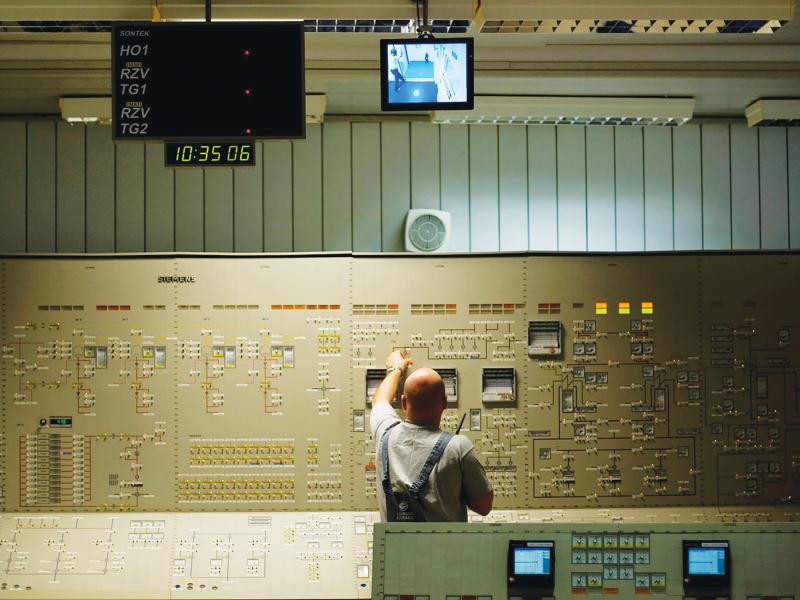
773, 113
640, 26
552, 110
653, 10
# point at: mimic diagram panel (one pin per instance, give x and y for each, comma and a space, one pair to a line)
329, 555
243, 383
161, 555
601, 561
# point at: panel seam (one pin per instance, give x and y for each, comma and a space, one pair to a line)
702, 195
672, 175
558, 190
760, 235
586, 188
26, 185
527, 186
55, 198
322, 185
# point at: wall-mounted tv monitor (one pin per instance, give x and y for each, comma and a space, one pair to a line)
427, 74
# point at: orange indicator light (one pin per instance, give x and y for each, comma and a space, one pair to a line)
647, 308
624, 308
601, 308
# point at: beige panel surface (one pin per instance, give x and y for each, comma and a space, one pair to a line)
218, 384
595, 561
294, 555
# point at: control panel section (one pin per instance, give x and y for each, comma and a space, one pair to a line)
706, 569
450, 380
373, 379
531, 569
544, 339
499, 386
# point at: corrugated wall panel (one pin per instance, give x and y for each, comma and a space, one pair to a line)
513, 190
454, 168
745, 191
189, 210
774, 188
12, 186
716, 187
686, 173
483, 200
100, 184
129, 177
307, 170
337, 215
278, 197
793, 154
366, 149
218, 207
425, 165
159, 201
71, 186
601, 232
351, 184
571, 156
394, 179
248, 206
658, 214
629, 156
41, 186
543, 188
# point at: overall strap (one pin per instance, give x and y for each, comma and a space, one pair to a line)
386, 483
433, 459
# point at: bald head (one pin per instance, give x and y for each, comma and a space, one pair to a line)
424, 397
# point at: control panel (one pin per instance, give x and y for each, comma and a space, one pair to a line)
218, 384
756, 561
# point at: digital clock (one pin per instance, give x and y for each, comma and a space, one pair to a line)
209, 154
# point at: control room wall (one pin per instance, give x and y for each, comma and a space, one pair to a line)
67, 188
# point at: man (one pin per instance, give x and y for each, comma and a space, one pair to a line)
394, 67
456, 479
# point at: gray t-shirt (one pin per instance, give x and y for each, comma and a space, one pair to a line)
457, 480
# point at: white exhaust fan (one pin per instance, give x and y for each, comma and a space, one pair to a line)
97, 109
427, 230
571, 110
776, 113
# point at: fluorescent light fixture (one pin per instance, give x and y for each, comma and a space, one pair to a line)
97, 109
571, 110
778, 113
315, 108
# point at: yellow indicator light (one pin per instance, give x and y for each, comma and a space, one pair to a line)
647, 308
624, 308
601, 308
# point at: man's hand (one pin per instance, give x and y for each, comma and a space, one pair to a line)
396, 360
387, 390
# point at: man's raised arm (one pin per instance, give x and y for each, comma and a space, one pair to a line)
396, 365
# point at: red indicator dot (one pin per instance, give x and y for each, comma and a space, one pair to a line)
247, 130
247, 92
247, 52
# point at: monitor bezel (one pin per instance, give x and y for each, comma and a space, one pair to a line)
427, 106
717, 582
531, 581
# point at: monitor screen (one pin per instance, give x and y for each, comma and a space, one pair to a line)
532, 561
427, 74
706, 561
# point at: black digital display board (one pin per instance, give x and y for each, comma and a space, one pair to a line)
208, 81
